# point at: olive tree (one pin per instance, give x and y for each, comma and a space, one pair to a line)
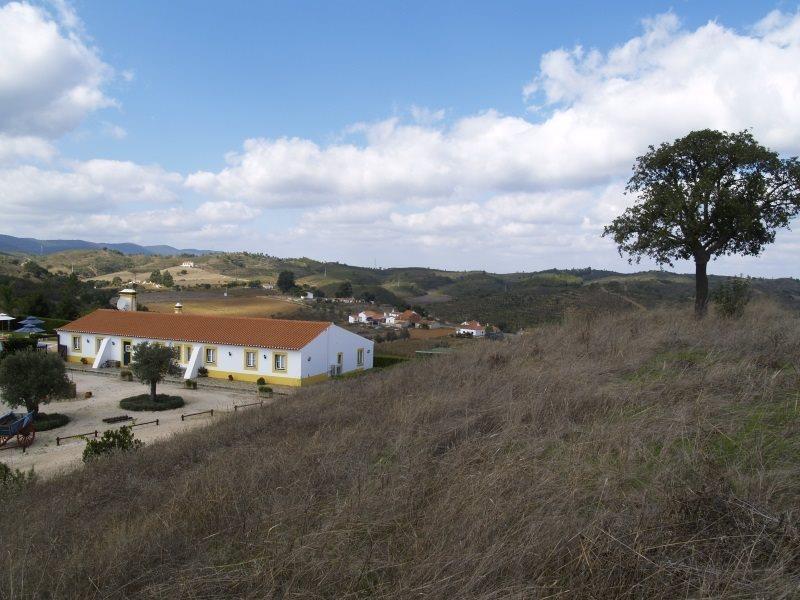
29, 377
705, 195
152, 362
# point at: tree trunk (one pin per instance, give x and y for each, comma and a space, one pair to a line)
701, 287
153, 391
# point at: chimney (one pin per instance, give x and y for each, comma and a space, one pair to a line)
178, 308
127, 300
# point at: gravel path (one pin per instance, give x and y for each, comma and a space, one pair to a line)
86, 415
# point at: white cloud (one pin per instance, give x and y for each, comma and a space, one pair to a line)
50, 78
600, 110
225, 211
115, 131
26, 147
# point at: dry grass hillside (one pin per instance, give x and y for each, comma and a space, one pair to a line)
641, 456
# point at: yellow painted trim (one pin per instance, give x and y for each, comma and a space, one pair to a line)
285, 363
205, 355
244, 359
74, 359
253, 377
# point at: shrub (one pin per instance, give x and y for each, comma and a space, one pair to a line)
113, 440
144, 402
387, 361
126, 375
14, 478
261, 381
264, 389
230, 377
84, 361
202, 372
48, 421
190, 384
731, 297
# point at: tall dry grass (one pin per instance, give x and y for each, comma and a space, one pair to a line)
640, 456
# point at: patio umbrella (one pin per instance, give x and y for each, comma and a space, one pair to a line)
31, 321
29, 329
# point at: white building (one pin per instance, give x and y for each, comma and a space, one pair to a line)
368, 316
187, 264
472, 328
283, 352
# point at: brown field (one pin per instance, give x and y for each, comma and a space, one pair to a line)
644, 455
240, 302
426, 334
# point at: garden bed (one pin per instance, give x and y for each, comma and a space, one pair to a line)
143, 402
46, 422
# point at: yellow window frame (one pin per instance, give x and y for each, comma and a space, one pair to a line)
205, 355
254, 352
275, 357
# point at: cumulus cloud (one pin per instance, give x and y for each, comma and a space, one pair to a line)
598, 112
50, 79
43, 194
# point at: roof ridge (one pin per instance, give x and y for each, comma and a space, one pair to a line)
181, 315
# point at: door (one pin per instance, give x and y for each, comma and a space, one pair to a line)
126, 352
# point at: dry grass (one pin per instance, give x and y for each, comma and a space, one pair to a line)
427, 334
639, 456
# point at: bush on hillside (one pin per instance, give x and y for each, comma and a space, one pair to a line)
144, 402
387, 361
112, 441
731, 297
12, 479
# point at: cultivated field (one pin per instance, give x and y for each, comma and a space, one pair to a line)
645, 455
240, 302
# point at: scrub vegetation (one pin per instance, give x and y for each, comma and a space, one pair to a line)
640, 455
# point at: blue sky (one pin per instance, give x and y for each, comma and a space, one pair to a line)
463, 135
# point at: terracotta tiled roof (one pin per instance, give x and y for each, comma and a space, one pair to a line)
409, 315
472, 325
236, 331
373, 314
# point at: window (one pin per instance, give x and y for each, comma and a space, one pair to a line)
339, 359
97, 342
279, 362
188, 353
211, 356
76, 342
250, 359
360, 357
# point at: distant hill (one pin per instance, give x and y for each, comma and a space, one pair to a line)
10, 243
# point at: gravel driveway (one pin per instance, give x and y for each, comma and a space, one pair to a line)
86, 415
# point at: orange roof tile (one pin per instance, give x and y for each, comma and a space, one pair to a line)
283, 334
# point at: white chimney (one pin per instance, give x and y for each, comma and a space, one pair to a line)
178, 308
127, 300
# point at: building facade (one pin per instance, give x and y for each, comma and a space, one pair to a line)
283, 352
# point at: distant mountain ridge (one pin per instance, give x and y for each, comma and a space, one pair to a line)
10, 243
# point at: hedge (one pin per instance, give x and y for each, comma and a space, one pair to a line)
143, 402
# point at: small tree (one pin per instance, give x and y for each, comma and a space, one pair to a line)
705, 195
166, 279
286, 281
345, 290
28, 378
152, 362
155, 276
731, 297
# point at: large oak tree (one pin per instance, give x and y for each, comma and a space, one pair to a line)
704, 195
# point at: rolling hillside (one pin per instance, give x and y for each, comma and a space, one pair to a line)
661, 460
508, 300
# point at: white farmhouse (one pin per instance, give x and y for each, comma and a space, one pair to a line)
283, 352
472, 328
187, 264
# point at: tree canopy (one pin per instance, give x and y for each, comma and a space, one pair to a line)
707, 194
28, 378
286, 281
152, 362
